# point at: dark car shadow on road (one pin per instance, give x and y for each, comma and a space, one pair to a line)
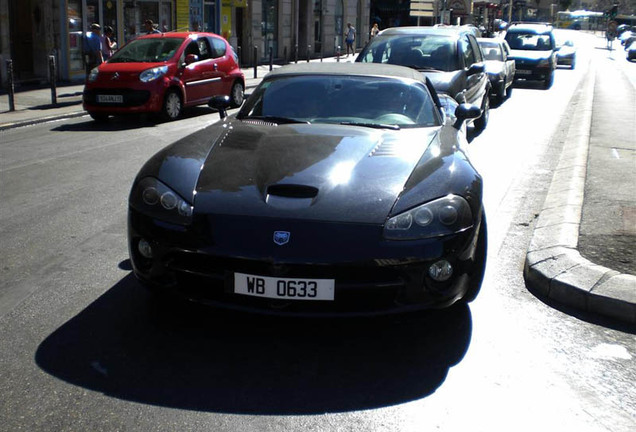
131, 121
126, 346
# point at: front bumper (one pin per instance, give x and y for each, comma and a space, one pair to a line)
391, 278
124, 98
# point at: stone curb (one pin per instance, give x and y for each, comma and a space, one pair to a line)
554, 269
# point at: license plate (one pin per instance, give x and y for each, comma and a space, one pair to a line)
110, 98
284, 288
523, 72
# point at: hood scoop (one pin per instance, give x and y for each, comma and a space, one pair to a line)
290, 196
259, 123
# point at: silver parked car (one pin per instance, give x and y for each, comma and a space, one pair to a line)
499, 67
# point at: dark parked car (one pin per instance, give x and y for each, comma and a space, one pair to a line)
449, 56
534, 51
631, 51
338, 188
499, 67
163, 73
566, 54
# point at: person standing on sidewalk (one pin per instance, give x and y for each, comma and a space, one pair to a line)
150, 27
374, 30
350, 37
108, 44
92, 46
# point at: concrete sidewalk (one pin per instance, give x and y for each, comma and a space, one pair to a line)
592, 198
554, 269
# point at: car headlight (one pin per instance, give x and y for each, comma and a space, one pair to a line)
448, 215
92, 76
155, 199
152, 74
544, 63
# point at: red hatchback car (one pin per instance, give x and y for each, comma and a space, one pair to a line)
163, 73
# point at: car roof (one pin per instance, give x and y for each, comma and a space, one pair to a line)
348, 69
538, 28
489, 41
426, 30
177, 35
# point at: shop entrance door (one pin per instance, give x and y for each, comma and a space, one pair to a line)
20, 16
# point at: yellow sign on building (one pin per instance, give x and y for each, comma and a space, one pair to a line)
183, 15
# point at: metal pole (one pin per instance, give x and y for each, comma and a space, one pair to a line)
338, 53
255, 60
238, 53
296, 53
308, 52
53, 79
10, 90
271, 58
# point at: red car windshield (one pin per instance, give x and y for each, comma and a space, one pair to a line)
151, 50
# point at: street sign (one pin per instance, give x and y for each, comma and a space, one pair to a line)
422, 8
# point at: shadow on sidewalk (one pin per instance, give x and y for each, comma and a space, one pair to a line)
135, 121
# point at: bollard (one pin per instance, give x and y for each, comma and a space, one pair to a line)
338, 53
308, 52
10, 89
53, 79
285, 55
255, 60
296, 53
271, 58
238, 54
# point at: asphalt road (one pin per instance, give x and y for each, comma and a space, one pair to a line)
82, 348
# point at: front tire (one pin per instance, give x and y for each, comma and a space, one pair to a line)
237, 94
482, 122
172, 105
548, 81
98, 117
479, 269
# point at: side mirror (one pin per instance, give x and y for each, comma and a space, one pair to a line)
221, 104
475, 69
191, 58
464, 112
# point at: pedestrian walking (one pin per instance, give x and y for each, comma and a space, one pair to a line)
350, 37
92, 47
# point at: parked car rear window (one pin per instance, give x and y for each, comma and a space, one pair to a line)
529, 41
419, 52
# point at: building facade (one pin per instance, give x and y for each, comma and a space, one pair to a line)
33, 31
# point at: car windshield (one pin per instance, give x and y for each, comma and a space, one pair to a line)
417, 51
351, 100
491, 51
529, 41
149, 50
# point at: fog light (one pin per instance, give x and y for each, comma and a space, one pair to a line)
441, 271
144, 248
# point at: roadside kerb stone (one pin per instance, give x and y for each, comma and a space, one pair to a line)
554, 268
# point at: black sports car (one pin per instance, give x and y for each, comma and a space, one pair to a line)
336, 189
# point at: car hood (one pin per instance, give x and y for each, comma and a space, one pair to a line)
321, 172
530, 55
130, 68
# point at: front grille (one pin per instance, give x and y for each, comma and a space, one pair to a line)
358, 288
